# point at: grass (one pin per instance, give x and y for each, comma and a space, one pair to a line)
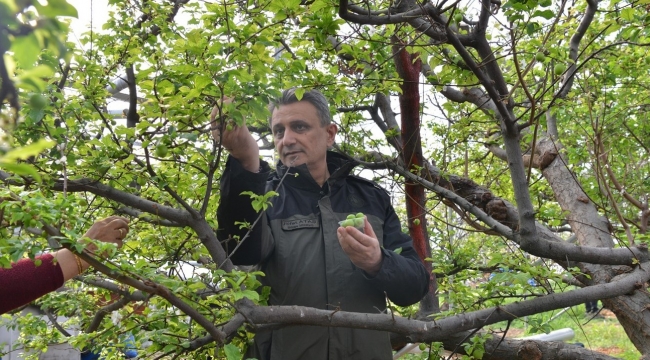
605, 334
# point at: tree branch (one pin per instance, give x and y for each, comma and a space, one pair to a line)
543, 246
437, 330
138, 214
133, 201
592, 7
497, 348
146, 286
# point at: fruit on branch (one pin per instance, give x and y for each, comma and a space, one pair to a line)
161, 150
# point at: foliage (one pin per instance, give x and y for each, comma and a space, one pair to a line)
598, 333
487, 103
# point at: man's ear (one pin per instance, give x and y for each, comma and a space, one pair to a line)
332, 129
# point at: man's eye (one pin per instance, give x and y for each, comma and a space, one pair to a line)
279, 133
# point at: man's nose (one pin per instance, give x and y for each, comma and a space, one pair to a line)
289, 138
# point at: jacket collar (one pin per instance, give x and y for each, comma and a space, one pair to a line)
339, 167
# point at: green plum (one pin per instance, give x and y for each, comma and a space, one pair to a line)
161, 150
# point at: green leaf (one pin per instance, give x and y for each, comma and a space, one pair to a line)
56, 8
27, 151
232, 352
627, 14
250, 294
33, 77
21, 169
299, 93
26, 50
201, 81
546, 14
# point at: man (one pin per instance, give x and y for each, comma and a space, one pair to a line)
308, 259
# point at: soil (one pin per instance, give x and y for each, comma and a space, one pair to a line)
611, 351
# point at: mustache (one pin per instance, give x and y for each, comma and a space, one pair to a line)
290, 151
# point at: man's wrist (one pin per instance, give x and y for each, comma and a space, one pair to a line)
253, 166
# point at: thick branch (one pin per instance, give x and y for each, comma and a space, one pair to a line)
209, 239
497, 348
547, 245
360, 16
387, 120
133, 201
476, 96
592, 7
101, 313
428, 331
138, 214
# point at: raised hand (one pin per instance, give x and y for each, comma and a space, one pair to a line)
236, 139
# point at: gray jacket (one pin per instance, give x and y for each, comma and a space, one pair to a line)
297, 248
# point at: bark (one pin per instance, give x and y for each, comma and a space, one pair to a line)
408, 67
593, 229
440, 329
132, 116
545, 244
498, 348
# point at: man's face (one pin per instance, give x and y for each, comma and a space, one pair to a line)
299, 137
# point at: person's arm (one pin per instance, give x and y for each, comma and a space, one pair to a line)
244, 172
235, 208
69, 264
25, 282
402, 276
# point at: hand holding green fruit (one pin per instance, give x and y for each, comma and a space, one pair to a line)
363, 247
356, 220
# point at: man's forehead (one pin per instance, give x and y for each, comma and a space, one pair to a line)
291, 115
304, 108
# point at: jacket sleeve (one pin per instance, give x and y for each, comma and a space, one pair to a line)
402, 276
25, 282
235, 208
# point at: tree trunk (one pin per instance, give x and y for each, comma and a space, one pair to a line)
408, 67
593, 229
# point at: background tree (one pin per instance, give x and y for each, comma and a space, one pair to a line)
522, 139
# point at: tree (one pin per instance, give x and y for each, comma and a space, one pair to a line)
526, 151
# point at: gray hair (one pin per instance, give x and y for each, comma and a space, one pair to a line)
313, 97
